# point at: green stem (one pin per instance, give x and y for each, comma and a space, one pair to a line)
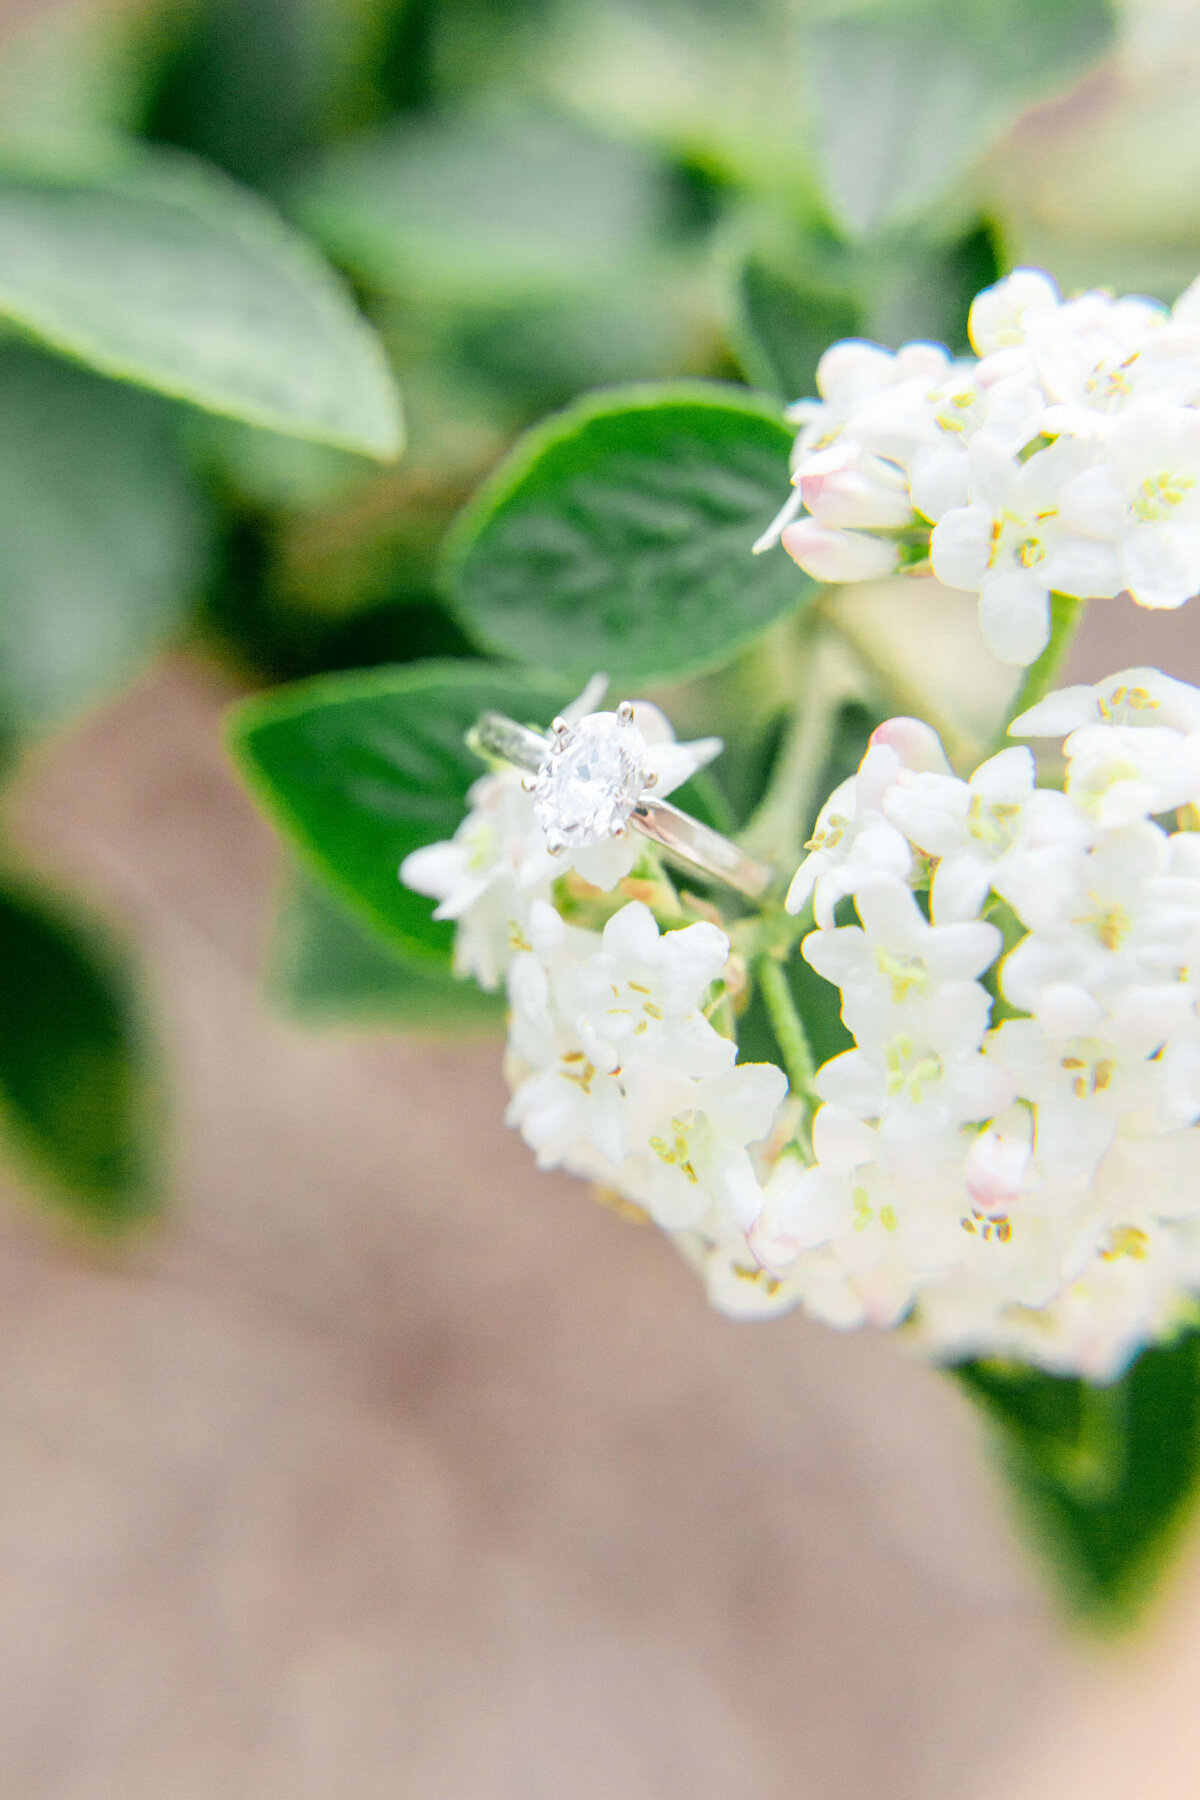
798, 1061
824, 681
1040, 676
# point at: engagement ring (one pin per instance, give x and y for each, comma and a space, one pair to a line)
596, 776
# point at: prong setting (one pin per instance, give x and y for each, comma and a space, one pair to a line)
591, 777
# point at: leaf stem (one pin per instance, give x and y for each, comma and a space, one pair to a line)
798, 1061
1039, 677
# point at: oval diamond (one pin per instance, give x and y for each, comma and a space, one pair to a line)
590, 781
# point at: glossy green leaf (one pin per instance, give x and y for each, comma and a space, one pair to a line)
327, 968
1105, 1477
907, 92
795, 297
159, 271
618, 535
102, 536
76, 1095
483, 209
357, 770
785, 324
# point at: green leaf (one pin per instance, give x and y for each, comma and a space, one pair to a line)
1107, 1477
786, 323
618, 535
248, 87
327, 968
102, 536
478, 209
159, 271
907, 92
357, 770
76, 1095
796, 297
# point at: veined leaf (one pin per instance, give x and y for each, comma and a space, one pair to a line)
159, 271
618, 535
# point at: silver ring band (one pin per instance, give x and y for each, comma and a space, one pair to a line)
498, 739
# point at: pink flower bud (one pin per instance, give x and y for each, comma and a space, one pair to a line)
996, 1169
844, 485
916, 744
830, 555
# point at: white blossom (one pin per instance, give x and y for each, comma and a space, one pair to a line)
854, 841
1001, 315
618, 1076
1063, 458
1132, 743
485, 877
1019, 540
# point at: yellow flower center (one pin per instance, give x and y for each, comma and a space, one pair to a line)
1160, 494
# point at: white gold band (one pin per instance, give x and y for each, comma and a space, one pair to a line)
683, 838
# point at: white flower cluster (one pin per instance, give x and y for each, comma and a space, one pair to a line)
1007, 1162
1063, 459
617, 1074
1029, 1188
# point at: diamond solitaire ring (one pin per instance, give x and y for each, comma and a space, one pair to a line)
592, 779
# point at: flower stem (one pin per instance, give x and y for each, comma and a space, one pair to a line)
798, 1061
1039, 677
824, 680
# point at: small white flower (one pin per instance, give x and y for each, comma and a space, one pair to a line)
641, 994
1001, 315
968, 826
1133, 697
688, 1141
591, 1015
872, 406
896, 957
1145, 497
847, 487
482, 878
993, 398
854, 842
1133, 747
1016, 543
